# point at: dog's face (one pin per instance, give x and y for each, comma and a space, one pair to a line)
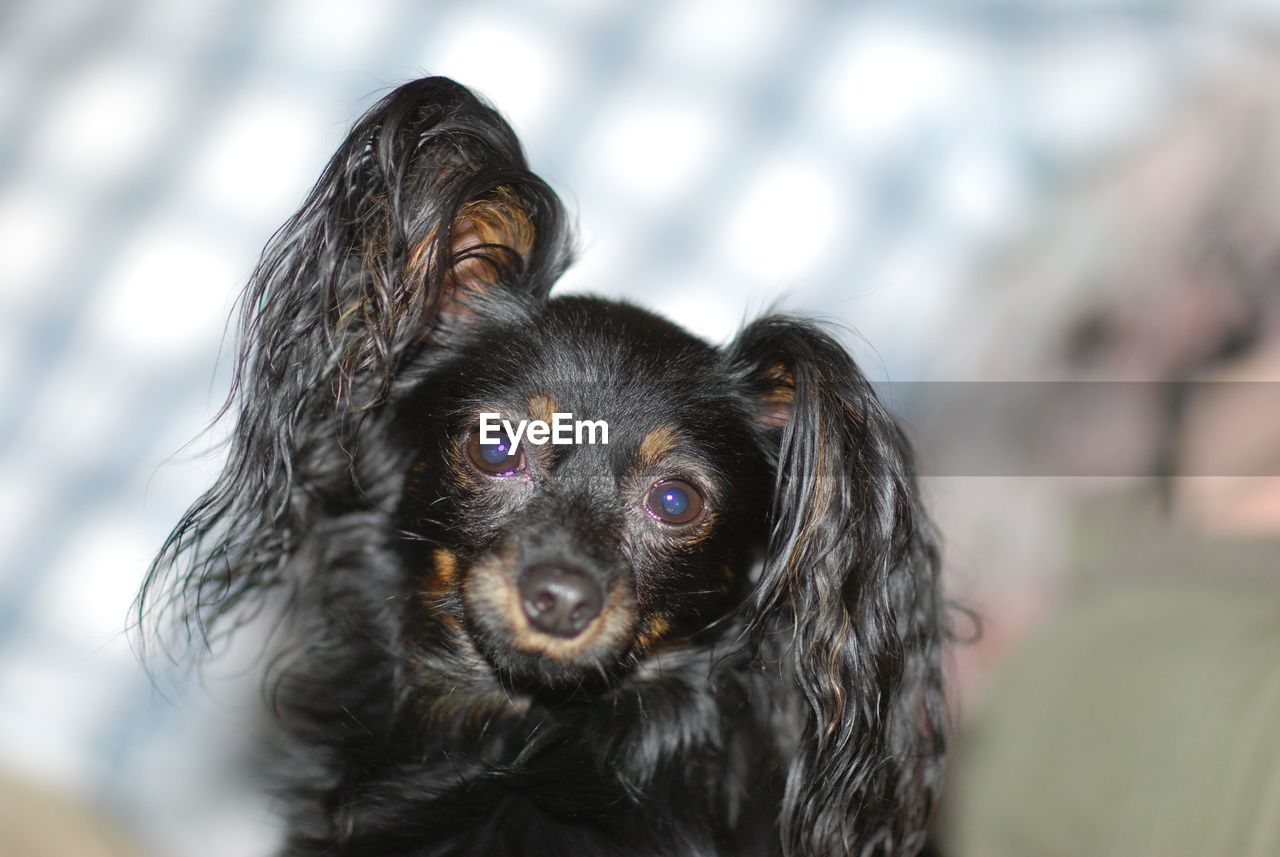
566, 563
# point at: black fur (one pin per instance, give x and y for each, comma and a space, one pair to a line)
766, 679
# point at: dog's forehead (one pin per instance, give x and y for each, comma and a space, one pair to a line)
604, 360
606, 355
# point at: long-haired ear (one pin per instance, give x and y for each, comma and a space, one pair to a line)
429, 197
849, 588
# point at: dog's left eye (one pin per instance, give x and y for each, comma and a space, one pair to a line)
674, 501
495, 459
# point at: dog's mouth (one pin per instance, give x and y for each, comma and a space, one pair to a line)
549, 623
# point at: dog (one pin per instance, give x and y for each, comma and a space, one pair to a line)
719, 633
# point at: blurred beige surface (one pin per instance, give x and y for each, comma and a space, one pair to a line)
1140, 725
1142, 720
37, 822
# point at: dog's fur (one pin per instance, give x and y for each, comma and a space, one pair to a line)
764, 679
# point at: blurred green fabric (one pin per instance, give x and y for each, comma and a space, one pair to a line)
1145, 722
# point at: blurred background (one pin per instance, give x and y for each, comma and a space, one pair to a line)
1049, 228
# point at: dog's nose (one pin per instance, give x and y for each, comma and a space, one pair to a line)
559, 600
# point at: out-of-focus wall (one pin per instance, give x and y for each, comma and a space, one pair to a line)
868, 162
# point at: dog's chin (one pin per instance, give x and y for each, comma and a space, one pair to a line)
527, 661
543, 675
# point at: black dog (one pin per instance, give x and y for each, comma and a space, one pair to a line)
718, 633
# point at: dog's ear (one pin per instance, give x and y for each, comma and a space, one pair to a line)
849, 590
428, 200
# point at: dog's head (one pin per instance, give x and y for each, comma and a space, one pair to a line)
754, 495
620, 505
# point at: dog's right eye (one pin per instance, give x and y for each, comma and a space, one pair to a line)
674, 501
495, 459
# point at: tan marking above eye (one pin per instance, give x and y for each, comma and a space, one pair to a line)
657, 445
542, 406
